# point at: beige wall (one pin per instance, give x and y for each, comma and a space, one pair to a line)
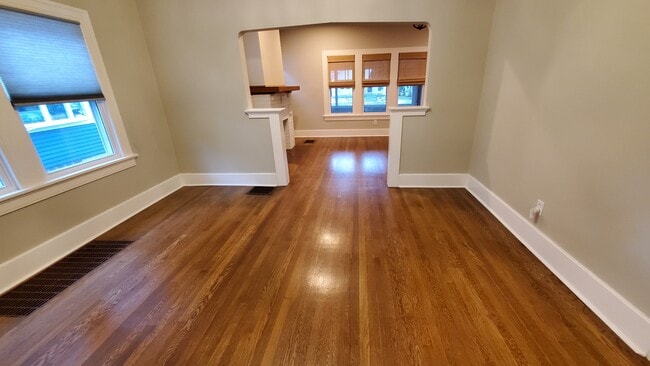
271, 50
302, 49
263, 52
195, 51
251, 42
124, 51
564, 117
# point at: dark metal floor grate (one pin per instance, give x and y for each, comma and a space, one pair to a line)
38, 290
309, 141
261, 190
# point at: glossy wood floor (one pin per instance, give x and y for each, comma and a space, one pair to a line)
335, 269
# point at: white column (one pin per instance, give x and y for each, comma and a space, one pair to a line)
397, 115
277, 138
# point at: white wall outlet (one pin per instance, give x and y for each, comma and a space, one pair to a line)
540, 207
536, 211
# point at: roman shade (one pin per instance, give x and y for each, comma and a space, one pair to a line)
44, 60
412, 68
376, 69
341, 71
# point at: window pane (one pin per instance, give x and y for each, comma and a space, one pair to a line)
57, 111
68, 138
2, 184
374, 99
409, 95
341, 100
30, 114
78, 109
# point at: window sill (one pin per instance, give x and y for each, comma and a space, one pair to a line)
356, 117
28, 196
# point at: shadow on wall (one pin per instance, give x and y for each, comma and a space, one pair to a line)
508, 79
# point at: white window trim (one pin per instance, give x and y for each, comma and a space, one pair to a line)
24, 197
366, 116
6, 176
357, 94
23, 171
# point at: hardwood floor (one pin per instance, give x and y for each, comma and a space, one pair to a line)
335, 269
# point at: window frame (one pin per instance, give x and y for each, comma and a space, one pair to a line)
22, 166
6, 177
358, 113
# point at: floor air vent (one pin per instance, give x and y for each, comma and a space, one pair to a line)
309, 141
261, 190
32, 294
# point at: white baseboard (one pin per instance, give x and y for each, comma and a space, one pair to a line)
229, 179
364, 132
27, 264
623, 318
432, 180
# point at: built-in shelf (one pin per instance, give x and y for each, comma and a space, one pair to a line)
261, 89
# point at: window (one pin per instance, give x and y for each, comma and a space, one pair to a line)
66, 134
409, 95
390, 77
376, 78
341, 100
62, 122
341, 83
411, 76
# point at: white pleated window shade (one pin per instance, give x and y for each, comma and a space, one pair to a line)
376, 69
44, 60
412, 68
341, 71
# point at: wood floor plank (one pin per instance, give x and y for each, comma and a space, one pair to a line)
334, 269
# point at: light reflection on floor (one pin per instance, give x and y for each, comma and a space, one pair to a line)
323, 282
372, 162
342, 163
329, 239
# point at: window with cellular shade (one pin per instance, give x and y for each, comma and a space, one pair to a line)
376, 69
341, 71
412, 68
44, 60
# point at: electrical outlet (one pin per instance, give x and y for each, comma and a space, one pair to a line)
536, 211
540, 207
